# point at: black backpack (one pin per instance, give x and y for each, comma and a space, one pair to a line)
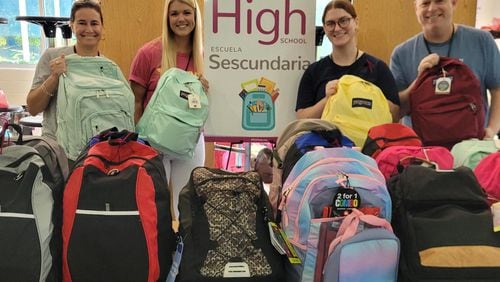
444, 225
32, 176
224, 226
117, 224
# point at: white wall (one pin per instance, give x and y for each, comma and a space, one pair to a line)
16, 83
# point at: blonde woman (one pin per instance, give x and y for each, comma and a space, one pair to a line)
181, 46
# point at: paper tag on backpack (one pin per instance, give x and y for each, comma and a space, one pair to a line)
497, 143
344, 201
194, 101
280, 242
443, 85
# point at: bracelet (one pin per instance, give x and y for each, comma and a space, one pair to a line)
44, 89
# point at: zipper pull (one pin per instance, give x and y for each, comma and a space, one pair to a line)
473, 107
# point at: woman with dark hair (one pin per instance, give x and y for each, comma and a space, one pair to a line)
340, 23
263, 165
86, 22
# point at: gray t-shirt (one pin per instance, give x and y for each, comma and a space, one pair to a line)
42, 72
476, 48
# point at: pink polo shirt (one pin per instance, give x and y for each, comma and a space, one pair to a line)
145, 68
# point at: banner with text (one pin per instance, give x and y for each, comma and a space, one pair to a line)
255, 55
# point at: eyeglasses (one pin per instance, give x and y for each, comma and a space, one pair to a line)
342, 22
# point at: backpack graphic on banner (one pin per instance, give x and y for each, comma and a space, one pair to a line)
258, 109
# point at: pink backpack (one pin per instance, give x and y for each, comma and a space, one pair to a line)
393, 159
488, 175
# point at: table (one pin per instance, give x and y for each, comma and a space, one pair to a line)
31, 121
11, 109
50, 25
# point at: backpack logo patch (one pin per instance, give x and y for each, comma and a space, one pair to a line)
362, 103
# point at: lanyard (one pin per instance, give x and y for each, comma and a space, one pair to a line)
449, 46
189, 61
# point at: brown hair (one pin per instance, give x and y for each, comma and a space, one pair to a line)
80, 4
339, 4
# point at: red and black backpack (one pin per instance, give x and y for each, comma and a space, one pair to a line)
117, 224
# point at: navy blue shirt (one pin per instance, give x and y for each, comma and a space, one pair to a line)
313, 82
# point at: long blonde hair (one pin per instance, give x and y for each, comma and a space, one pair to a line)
169, 52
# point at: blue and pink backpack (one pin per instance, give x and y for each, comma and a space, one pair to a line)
336, 178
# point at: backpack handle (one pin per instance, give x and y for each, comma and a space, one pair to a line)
122, 137
415, 160
16, 127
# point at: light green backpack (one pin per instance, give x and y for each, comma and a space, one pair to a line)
469, 152
168, 123
92, 97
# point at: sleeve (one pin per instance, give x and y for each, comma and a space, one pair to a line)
139, 70
306, 95
397, 70
42, 70
387, 84
492, 79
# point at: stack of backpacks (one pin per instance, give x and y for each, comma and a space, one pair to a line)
400, 207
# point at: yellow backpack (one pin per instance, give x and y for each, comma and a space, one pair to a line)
357, 106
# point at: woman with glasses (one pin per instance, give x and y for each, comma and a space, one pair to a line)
319, 81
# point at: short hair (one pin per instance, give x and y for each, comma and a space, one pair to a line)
80, 4
265, 154
339, 4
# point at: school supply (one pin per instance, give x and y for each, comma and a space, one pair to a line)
258, 111
224, 220
285, 141
355, 253
447, 105
335, 179
117, 224
92, 96
392, 160
387, 135
32, 175
174, 117
357, 106
488, 174
444, 225
470, 152
316, 139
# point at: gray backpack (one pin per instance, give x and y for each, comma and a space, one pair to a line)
31, 185
92, 97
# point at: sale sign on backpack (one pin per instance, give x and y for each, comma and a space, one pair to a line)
447, 105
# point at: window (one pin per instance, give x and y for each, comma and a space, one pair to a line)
22, 42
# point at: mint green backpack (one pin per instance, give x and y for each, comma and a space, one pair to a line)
168, 123
92, 97
469, 152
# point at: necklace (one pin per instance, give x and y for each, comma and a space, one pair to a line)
355, 58
449, 44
